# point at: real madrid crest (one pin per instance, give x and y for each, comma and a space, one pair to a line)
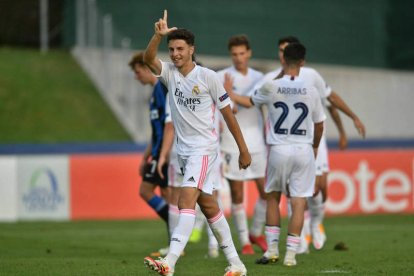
195, 90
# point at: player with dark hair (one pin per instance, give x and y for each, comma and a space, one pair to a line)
296, 117
194, 92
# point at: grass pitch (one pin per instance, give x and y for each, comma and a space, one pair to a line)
48, 99
378, 245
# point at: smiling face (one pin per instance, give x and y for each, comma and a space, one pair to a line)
180, 52
240, 56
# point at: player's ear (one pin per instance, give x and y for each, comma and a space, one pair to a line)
192, 50
302, 63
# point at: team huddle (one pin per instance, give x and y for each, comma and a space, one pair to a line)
241, 125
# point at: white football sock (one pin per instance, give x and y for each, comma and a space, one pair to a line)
259, 218
292, 243
173, 214
181, 235
317, 210
240, 221
221, 230
272, 237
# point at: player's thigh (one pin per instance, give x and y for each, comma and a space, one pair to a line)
277, 171
302, 178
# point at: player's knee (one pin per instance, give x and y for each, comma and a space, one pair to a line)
146, 192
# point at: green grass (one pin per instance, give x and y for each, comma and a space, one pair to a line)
48, 99
378, 245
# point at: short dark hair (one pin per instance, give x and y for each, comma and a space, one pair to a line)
238, 40
288, 39
137, 58
183, 34
294, 53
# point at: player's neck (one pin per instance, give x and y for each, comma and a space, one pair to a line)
186, 68
242, 70
291, 70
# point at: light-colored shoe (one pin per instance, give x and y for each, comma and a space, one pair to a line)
162, 252
195, 236
160, 265
290, 259
247, 249
318, 237
303, 246
213, 252
233, 270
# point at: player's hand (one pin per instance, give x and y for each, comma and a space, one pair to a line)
343, 142
244, 160
360, 127
161, 162
161, 27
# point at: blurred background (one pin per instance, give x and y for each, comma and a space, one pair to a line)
74, 123
74, 120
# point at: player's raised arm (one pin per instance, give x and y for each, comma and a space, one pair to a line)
343, 141
245, 158
339, 103
150, 56
244, 101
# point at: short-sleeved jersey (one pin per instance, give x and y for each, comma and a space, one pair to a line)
157, 117
293, 108
193, 100
310, 75
249, 119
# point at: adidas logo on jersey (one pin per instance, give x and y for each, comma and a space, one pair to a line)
191, 179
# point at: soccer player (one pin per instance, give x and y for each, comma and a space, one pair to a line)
175, 180
194, 91
333, 102
241, 79
295, 121
147, 170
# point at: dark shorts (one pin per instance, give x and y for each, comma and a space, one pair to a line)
151, 174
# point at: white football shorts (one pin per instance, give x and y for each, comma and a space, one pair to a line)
200, 171
293, 164
257, 168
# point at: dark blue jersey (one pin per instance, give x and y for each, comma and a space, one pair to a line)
157, 116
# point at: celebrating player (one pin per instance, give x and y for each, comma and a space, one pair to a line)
241, 79
193, 92
295, 128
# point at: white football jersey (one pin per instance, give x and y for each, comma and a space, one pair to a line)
309, 75
249, 119
293, 108
193, 100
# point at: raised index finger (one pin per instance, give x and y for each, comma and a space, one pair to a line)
165, 15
